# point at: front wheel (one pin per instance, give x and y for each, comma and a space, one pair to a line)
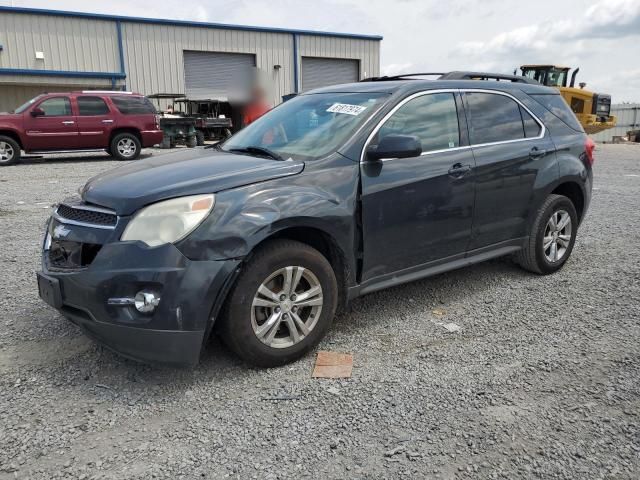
125, 146
282, 304
9, 151
552, 236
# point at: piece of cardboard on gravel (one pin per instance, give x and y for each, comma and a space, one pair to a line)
333, 365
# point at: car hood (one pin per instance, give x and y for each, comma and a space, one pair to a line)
194, 171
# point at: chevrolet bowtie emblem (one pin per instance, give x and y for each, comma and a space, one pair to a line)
60, 231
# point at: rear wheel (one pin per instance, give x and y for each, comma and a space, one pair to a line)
200, 138
552, 236
282, 304
125, 146
9, 151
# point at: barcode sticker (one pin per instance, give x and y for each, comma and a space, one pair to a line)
346, 109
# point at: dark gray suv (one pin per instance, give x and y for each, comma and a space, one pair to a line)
334, 194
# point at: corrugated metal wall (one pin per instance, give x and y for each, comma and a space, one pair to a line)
628, 119
71, 44
153, 52
367, 51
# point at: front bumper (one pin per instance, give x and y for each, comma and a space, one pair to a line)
190, 292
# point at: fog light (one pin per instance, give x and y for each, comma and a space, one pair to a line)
146, 302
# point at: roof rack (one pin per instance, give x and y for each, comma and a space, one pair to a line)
456, 75
400, 77
461, 75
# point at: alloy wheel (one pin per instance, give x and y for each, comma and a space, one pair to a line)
557, 236
126, 147
286, 307
6, 152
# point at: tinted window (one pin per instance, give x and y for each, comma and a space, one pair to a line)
56, 107
432, 118
531, 127
133, 105
556, 105
26, 105
493, 118
92, 106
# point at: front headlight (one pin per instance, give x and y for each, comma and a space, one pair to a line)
168, 221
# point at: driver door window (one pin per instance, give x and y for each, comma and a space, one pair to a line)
56, 107
432, 118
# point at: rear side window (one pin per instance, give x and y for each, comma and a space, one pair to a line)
531, 127
432, 118
493, 118
129, 105
88, 106
556, 105
56, 107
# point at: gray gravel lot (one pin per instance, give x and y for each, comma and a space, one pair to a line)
541, 381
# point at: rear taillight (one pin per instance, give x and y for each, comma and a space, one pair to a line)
589, 147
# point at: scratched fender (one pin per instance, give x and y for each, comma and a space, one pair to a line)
323, 197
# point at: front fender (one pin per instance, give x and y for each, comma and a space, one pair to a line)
246, 216
15, 133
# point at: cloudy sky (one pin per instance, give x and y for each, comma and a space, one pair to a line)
599, 36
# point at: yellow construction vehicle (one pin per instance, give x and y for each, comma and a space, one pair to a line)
592, 109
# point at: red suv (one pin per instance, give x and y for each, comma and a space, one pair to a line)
119, 122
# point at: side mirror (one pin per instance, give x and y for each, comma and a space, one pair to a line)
37, 112
395, 146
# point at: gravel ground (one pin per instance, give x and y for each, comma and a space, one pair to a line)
540, 381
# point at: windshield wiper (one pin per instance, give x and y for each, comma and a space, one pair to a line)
257, 150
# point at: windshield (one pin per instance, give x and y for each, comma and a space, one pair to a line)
308, 127
26, 105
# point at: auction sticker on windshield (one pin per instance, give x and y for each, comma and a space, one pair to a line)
346, 108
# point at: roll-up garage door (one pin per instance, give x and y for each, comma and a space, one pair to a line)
321, 72
216, 76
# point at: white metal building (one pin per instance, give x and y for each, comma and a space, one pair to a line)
50, 50
628, 115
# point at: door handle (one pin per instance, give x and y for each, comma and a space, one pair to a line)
459, 170
107, 121
537, 152
68, 122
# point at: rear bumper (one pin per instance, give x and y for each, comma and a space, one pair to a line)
151, 137
175, 331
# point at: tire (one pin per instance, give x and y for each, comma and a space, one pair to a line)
534, 256
125, 146
200, 138
9, 151
192, 141
242, 321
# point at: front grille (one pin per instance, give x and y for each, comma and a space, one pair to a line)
87, 215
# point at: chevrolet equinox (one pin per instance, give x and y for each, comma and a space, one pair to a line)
335, 193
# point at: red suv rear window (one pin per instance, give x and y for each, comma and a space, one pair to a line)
128, 105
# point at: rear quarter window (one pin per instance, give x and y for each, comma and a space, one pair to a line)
556, 105
133, 105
